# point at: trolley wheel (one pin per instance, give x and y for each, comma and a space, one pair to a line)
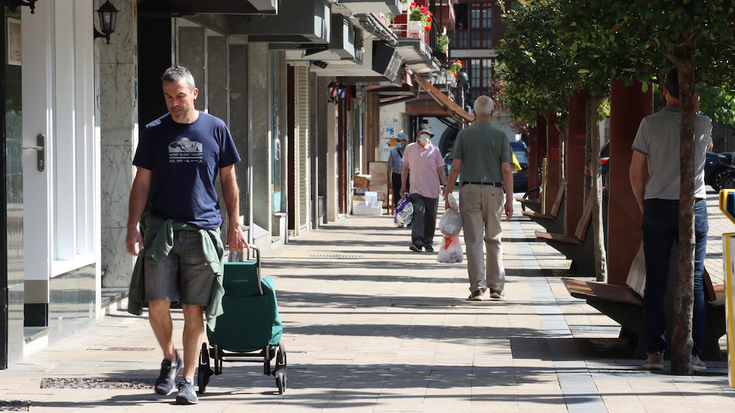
204, 371
217, 360
281, 370
281, 381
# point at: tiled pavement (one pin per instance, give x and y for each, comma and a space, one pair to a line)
370, 326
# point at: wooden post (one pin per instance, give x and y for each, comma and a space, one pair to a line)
628, 106
553, 157
537, 151
575, 161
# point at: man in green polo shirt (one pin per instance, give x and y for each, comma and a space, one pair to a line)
482, 153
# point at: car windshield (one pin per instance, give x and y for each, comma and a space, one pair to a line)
521, 156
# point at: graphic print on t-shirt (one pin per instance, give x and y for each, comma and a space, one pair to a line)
184, 150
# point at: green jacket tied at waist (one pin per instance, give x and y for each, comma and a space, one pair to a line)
159, 240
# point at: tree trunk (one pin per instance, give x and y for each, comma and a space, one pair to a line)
592, 172
681, 344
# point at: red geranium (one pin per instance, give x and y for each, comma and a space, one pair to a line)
429, 19
413, 4
427, 28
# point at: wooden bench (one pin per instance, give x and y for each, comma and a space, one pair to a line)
551, 221
531, 204
578, 247
625, 306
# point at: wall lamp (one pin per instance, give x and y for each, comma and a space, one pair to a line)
333, 92
341, 91
14, 4
108, 20
336, 92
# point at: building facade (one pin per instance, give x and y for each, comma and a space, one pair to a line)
302, 98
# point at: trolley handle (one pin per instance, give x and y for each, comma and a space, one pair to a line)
238, 257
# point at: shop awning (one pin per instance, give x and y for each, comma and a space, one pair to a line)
449, 106
192, 7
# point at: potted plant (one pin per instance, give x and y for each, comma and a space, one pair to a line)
419, 21
454, 67
442, 43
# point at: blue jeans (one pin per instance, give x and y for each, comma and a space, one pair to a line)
660, 230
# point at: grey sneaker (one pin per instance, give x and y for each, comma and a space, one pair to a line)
187, 393
478, 295
697, 364
654, 361
166, 380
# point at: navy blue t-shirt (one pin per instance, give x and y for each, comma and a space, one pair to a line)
186, 159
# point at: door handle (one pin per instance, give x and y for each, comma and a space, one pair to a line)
41, 152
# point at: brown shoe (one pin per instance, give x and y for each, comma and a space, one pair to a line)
478, 295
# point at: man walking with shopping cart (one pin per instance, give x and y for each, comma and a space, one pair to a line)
182, 251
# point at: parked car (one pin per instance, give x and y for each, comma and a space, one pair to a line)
520, 178
716, 168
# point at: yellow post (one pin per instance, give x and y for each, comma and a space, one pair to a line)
542, 192
727, 206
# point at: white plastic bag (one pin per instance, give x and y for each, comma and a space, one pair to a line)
404, 211
450, 251
453, 202
451, 223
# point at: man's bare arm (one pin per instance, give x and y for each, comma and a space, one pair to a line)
451, 179
136, 205
508, 181
638, 172
231, 194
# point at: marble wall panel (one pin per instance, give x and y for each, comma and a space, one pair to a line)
116, 180
118, 106
191, 56
239, 121
259, 77
217, 76
117, 263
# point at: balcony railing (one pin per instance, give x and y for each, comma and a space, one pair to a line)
411, 30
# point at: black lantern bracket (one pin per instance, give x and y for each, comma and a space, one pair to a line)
108, 20
14, 4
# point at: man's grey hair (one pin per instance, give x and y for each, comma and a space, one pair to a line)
175, 73
484, 106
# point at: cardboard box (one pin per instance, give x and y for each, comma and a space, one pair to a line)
361, 181
366, 208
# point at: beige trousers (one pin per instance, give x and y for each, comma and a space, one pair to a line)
481, 206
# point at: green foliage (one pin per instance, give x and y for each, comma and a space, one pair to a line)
605, 108
442, 43
537, 76
718, 104
627, 39
550, 43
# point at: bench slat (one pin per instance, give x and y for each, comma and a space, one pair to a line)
535, 215
550, 236
601, 291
